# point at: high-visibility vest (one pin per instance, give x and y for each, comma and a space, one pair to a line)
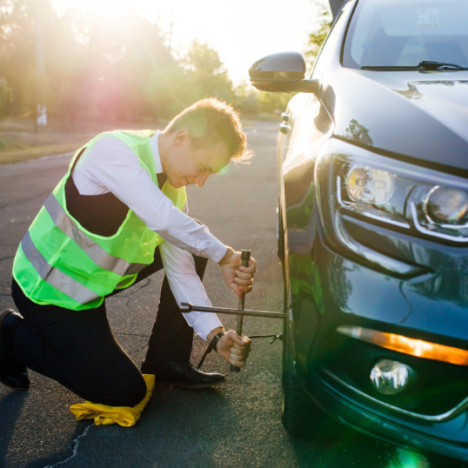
60, 262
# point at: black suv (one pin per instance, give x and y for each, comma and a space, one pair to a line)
373, 224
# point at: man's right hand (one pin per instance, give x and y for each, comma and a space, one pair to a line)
234, 348
236, 276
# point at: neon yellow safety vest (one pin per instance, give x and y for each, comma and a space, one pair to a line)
60, 262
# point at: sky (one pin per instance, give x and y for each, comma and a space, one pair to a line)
241, 31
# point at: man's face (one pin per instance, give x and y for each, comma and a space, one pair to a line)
187, 165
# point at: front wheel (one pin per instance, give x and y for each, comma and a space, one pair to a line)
280, 234
300, 416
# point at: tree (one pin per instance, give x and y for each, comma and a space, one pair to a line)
18, 53
318, 36
122, 60
113, 67
247, 98
206, 74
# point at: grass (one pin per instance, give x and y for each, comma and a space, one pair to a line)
18, 155
20, 140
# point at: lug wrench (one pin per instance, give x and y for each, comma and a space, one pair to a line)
240, 318
240, 312
187, 307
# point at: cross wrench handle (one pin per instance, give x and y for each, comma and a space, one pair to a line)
240, 318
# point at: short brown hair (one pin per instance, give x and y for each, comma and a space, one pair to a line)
209, 121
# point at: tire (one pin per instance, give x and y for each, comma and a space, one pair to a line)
280, 234
300, 416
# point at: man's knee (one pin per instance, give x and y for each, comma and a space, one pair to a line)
133, 393
128, 392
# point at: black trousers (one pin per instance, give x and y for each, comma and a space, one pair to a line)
79, 350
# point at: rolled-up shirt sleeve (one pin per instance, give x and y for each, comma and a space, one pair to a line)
179, 267
114, 166
111, 166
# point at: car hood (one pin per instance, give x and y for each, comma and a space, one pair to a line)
411, 114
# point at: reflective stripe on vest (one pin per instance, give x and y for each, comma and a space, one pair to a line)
55, 277
59, 262
94, 251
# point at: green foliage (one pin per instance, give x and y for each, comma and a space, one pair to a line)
249, 101
206, 73
109, 69
318, 36
167, 92
5, 97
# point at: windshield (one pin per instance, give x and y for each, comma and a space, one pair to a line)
400, 33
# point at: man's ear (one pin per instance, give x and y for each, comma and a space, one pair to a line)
182, 137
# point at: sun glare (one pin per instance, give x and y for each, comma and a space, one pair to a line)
94, 6
241, 31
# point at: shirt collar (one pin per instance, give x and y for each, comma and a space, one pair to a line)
154, 148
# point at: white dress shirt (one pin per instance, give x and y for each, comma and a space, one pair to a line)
111, 166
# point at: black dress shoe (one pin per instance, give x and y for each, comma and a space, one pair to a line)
182, 374
12, 373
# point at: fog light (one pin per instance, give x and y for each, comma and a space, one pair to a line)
390, 377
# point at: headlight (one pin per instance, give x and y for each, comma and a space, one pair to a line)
446, 205
369, 185
403, 195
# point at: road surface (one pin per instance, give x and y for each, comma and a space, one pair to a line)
234, 425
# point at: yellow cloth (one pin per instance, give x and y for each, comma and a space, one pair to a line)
125, 416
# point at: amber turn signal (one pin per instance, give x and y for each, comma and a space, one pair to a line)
403, 344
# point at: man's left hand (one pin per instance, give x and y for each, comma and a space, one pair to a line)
239, 278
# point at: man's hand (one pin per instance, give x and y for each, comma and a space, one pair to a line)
234, 348
236, 276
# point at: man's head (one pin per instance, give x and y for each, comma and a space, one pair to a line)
200, 141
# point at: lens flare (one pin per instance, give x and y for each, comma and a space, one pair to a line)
403, 458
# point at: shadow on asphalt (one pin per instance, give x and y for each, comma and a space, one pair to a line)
178, 428
10, 411
60, 456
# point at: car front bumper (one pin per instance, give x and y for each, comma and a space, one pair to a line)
344, 405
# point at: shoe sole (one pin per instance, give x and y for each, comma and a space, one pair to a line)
177, 384
3, 315
7, 384
4, 382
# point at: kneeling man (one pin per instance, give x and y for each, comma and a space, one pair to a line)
118, 215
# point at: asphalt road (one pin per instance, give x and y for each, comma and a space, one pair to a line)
234, 425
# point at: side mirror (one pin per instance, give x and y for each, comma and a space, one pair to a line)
283, 72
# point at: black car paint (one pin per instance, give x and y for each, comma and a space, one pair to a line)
419, 119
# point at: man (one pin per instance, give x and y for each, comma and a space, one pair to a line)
116, 217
